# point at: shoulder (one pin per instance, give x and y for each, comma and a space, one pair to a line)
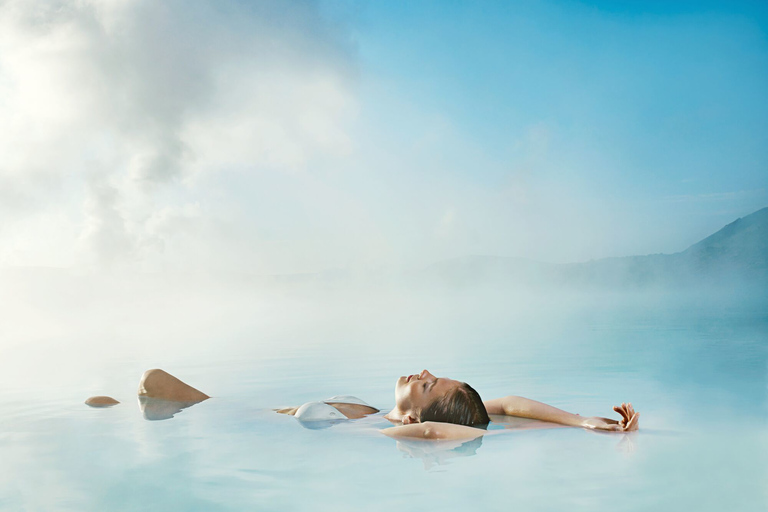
495, 406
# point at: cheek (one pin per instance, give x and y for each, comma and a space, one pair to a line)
403, 398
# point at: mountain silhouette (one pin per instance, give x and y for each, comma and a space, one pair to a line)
736, 253
742, 246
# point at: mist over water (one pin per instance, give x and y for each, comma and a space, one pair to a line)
682, 337
693, 364
91, 317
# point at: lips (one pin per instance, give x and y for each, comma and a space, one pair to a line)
409, 378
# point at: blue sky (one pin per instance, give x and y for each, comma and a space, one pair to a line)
301, 136
656, 104
670, 94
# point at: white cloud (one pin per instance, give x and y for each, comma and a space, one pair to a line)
111, 111
105, 230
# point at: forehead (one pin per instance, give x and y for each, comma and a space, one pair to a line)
443, 385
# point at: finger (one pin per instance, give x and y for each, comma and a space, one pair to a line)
627, 414
624, 414
634, 423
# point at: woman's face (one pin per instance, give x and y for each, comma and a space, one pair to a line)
413, 393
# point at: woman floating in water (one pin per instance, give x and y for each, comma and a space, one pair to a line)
430, 407
426, 407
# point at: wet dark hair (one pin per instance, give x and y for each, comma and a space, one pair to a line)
462, 406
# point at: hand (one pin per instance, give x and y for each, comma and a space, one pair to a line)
629, 420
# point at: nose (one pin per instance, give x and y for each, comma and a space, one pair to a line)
426, 375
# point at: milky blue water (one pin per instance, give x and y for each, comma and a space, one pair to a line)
694, 365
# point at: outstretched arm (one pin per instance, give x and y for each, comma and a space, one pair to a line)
526, 408
433, 430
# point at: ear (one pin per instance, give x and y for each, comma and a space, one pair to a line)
408, 419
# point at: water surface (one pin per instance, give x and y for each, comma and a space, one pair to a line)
693, 365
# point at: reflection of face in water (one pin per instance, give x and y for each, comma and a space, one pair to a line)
155, 409
435, 453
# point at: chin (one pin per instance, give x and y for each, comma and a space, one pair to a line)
399, 386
